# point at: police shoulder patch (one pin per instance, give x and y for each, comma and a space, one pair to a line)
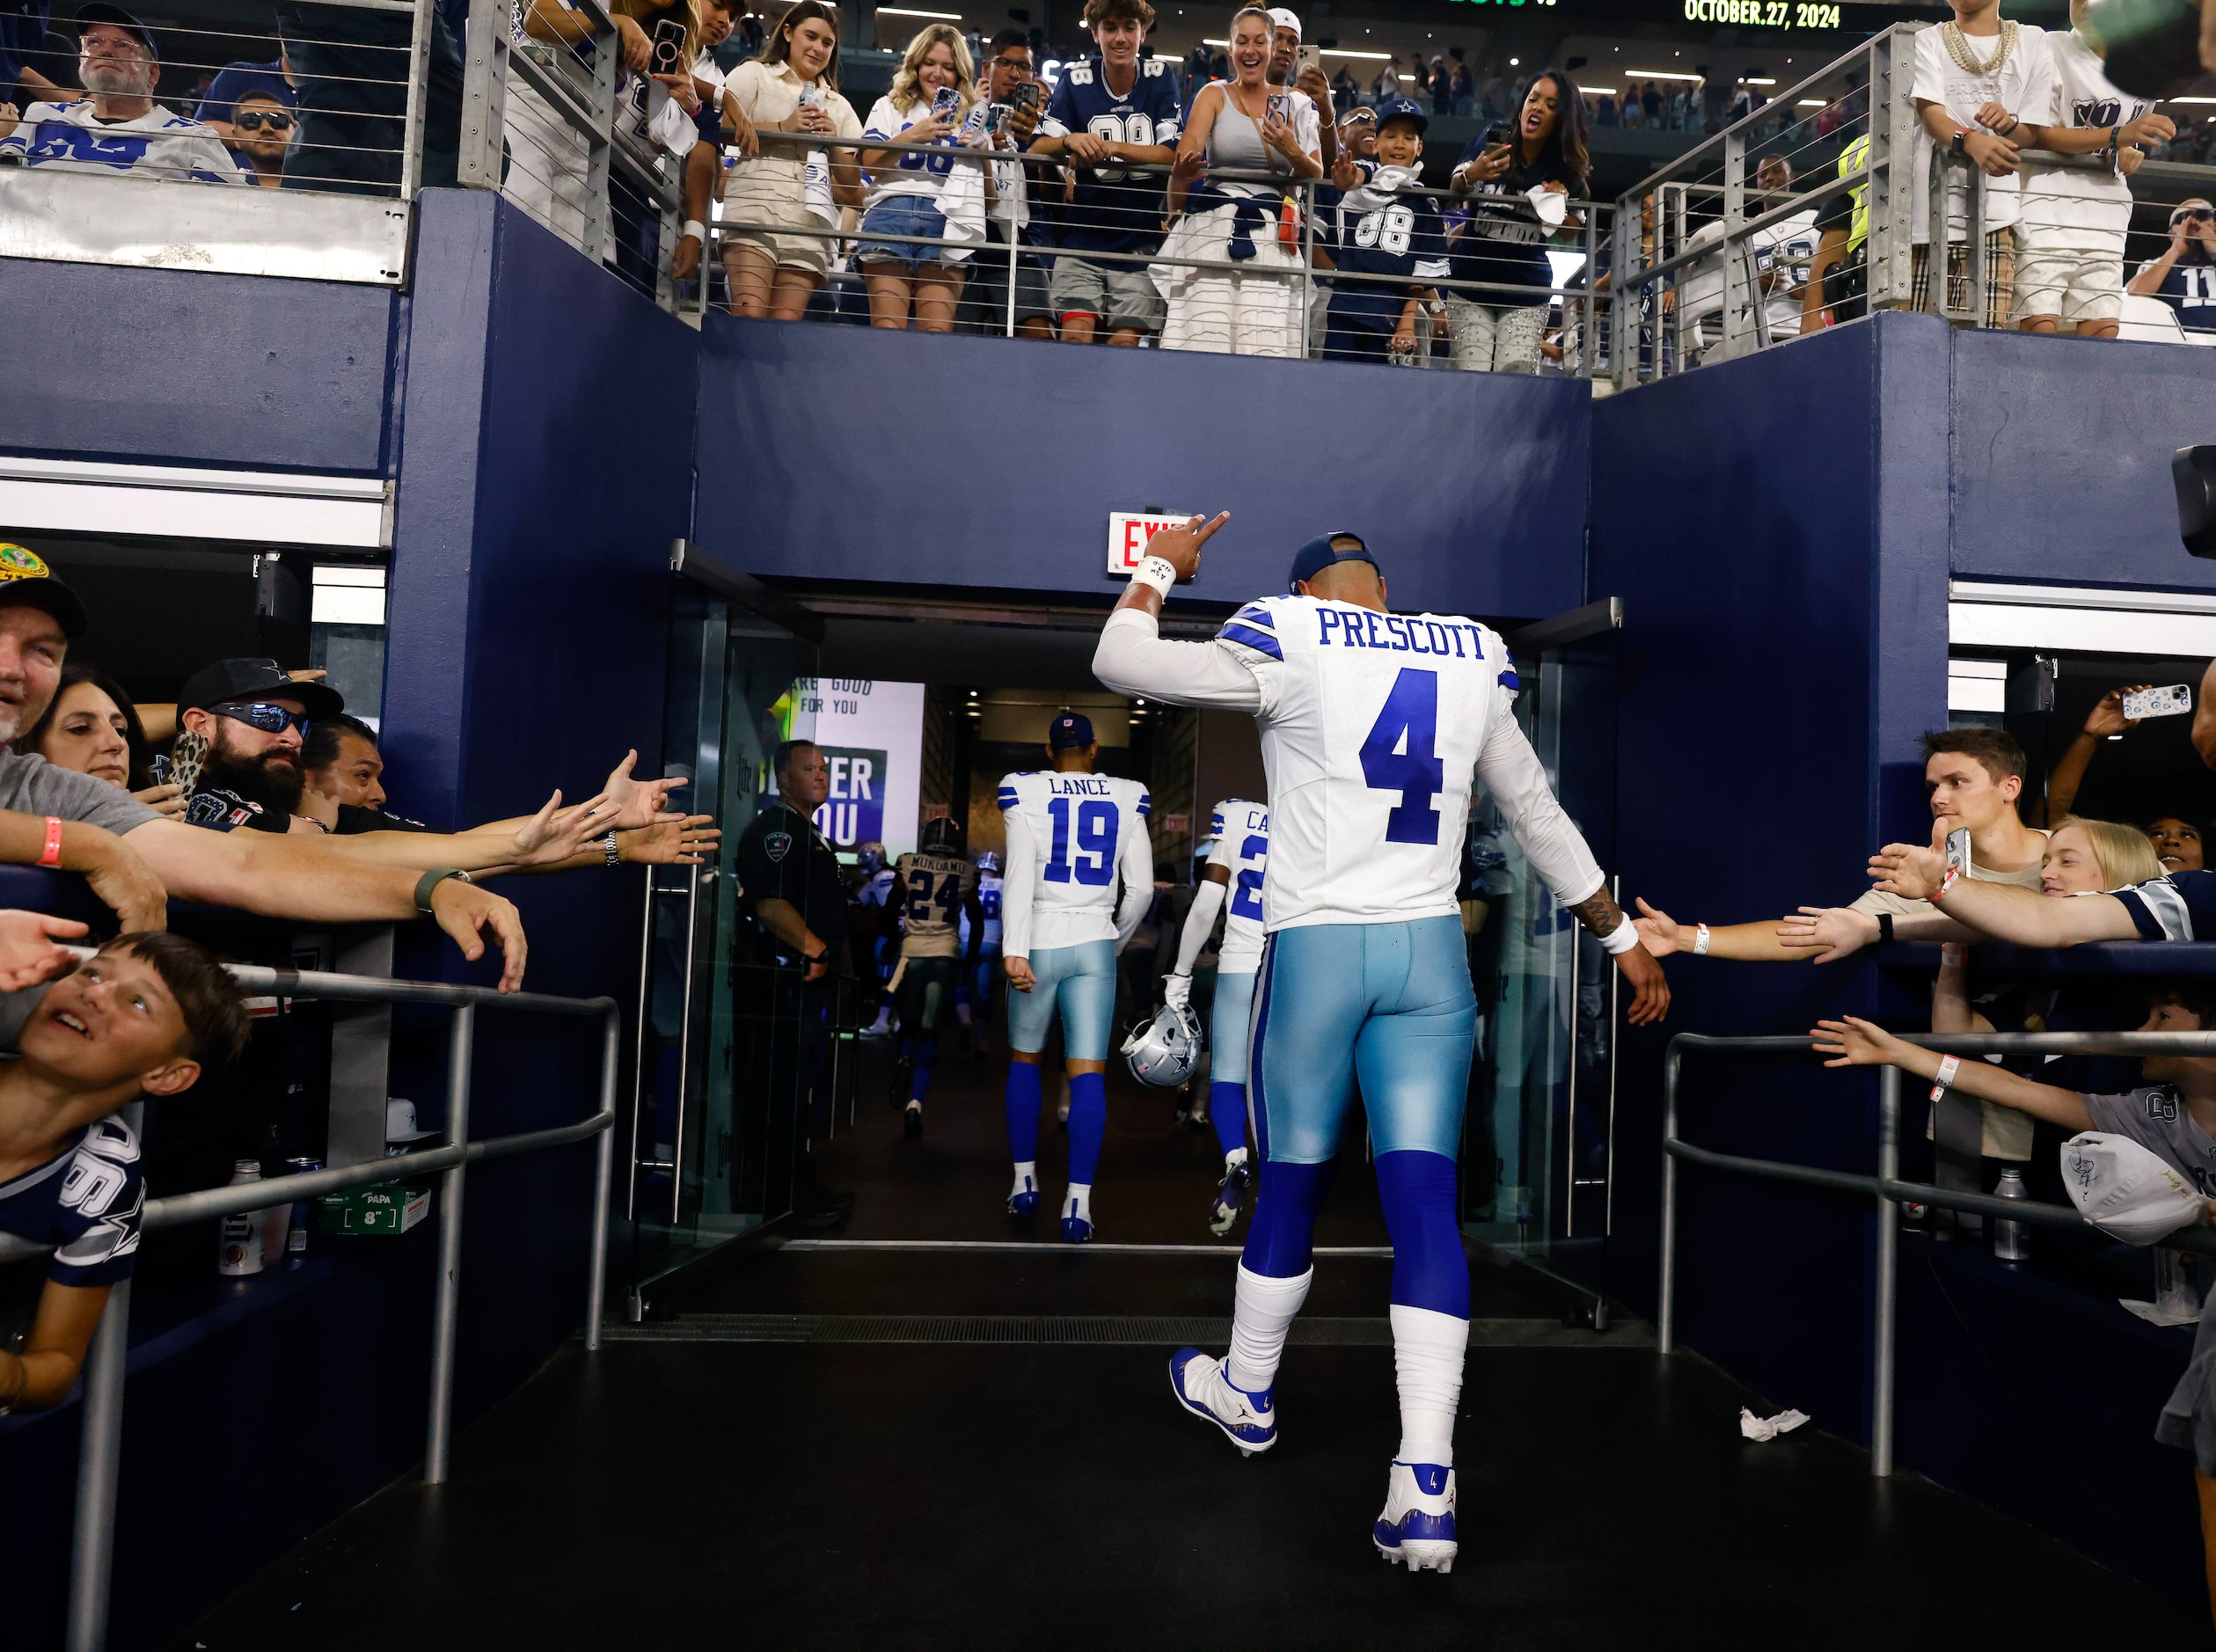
777, 845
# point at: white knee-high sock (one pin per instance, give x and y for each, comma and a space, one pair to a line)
1263, 1312
1427, 1351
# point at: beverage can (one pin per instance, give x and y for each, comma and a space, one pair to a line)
811, 97
239, 1237
296, 1236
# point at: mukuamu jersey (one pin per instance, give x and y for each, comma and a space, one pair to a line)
1241, 830
1070, 837
938, 888
83, 1205
1373, 728
1113, 208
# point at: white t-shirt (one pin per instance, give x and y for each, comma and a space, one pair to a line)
1787, 246
1374, 729
2071, 206
1241, 830
159, 146
2022, 86
1073, 838
911, 173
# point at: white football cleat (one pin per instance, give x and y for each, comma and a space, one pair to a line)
1417, 1526
1249, 1421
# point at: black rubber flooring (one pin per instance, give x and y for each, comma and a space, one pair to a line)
868, 1497
1154, 1185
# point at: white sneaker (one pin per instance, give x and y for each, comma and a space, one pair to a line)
1417, 1526
1249, 1421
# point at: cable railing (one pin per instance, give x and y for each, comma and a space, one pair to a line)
1278, 243
101, 1453
1886, 1187
1811, 212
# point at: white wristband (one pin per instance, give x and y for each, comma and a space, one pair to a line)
1948, 1069
1621, 939
1156, 572
697, 229
1700, 939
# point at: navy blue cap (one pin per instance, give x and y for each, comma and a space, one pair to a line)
238, 81
1402, 109
102, 12
1317, 555
1071, 728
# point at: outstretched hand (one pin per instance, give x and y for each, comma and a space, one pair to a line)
30, 951
627, 804
1658, 931
555, 833
1855, 1042
1833, 933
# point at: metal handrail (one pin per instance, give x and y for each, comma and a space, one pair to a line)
100, 1461
1885, 1187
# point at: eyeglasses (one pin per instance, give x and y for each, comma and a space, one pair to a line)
2193, 215
276, 120
271, 719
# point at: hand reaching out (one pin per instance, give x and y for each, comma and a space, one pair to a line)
1910, 870
688, 840
1855, 1042
30, 952
1840, 932
626, 804
555, 833
1659, 933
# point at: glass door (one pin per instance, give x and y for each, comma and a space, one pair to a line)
711, 1151
1539, 1131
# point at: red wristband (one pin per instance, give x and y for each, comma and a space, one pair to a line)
1945, 884
52, 855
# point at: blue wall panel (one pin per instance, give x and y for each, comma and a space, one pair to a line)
845, 453
2062, 451
179, 367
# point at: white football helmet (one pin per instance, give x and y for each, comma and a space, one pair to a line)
1163, 1052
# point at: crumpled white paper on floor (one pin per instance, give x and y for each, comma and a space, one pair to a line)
2170, 1311
1769, 1428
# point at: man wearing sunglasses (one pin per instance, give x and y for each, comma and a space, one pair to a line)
2185, 276
248, 720
253, 108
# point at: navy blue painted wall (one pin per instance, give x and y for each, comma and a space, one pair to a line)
844, 453
153, 367
2061, 451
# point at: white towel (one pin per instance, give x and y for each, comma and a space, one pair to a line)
1551, 205
962, 203
815, 187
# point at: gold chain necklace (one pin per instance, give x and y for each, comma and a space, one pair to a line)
1950, 36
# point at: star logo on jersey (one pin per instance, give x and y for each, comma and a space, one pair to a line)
777, 845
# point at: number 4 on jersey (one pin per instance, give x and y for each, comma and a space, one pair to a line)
1399, 755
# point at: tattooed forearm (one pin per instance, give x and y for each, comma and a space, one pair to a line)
1599, 912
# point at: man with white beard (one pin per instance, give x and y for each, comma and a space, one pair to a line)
117, 127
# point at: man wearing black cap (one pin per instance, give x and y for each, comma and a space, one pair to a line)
117, 127
1375, 727
101, 830
248, 719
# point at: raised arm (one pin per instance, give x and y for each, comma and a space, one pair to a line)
2002, 911
1855, 1042
280, 875
1132, 656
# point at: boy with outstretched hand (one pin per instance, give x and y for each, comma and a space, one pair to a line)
140, 1017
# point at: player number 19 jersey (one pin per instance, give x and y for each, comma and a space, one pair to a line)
1081, 829
1374, 726
1241, 830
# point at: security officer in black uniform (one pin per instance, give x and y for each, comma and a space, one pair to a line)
792, 889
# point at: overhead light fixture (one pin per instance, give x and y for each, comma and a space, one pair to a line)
1664, 74
1379, 57
1812, 103
2193, 99
1599, 91
902, 11
1758, 80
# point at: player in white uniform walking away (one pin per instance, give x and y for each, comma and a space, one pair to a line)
1235, 868
1374, 726
934, 889
1072, 836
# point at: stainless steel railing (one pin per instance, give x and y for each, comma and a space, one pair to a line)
1886, 1187
100, 1454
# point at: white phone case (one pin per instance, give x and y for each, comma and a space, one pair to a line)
2173, 701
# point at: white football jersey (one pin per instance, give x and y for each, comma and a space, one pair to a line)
937, 890
1072, 840
1241, 830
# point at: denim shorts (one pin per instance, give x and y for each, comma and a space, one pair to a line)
902, 215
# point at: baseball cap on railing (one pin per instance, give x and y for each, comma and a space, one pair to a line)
1071, 728
25, 578
2126, 1190
1320, 553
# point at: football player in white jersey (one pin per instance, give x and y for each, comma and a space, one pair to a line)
1074, 835
1374, 727
1235, 867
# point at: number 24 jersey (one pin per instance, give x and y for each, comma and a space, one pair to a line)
1373, 728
